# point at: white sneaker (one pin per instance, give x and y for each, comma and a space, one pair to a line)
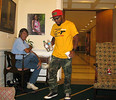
31, 86
67, 96
51, 95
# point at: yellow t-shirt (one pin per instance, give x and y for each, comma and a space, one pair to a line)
63, 35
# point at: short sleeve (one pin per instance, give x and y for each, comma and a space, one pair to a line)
73, 29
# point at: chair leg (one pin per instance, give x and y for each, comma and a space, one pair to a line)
22, 80
46, 76
5, 80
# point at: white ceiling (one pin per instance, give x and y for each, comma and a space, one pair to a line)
86, 10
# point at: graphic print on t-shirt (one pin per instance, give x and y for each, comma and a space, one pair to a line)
59, 32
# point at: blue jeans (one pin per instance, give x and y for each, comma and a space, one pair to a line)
30, 62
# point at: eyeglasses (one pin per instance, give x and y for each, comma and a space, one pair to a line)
56, 18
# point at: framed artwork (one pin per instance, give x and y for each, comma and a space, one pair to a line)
7, 16
36, 24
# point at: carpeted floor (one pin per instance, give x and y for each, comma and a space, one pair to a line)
79, 92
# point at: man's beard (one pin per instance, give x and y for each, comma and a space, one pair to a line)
60, 23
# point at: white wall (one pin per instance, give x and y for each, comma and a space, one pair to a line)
6, 39
26, 7
6, 42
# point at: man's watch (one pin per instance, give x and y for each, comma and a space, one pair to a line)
73, 49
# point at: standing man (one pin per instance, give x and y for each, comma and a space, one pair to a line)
65, 38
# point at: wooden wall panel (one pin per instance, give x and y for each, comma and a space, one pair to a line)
104, 26
114, 26
93, 42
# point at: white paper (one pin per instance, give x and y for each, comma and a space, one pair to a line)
67, 54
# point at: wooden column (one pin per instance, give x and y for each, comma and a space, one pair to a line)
104, 26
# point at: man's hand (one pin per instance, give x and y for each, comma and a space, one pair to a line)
72, 54
27, 50
30, 47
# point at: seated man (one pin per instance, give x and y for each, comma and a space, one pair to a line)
31, 60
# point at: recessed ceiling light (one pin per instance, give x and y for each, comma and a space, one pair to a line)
115, 6
94, 16
91, 21
83, 29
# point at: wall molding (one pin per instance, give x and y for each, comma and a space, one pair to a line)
1, 50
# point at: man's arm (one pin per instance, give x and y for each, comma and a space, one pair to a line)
75, 44
37, 57
53, 41
27, 50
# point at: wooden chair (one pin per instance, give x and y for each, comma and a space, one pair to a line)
105, 76
22, 74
